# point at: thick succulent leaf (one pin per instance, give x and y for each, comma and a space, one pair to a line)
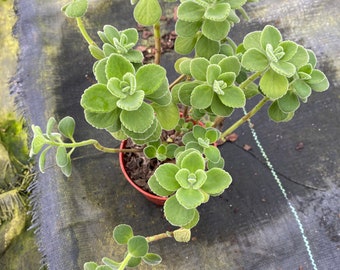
96, 52
75, 9
189, 198
115, 88
110, 33
283, 68
139, 120
317, 76
187, 29
110, 263
109, 49
131, 34
141, 135
233, 97
218, 164
185, 91
122, 234
99, 71
61, 157
290, 49
117, 66
42, 159
97, 98
66, 126
212, 153
147, 12
190, 11
152, 259
188, 137
276, 114
252, 41
217, 181
67, 170
177, 214
218, 108
254, 60
138, 246
300, 58
230, 64
270, 35
217, 12
236, 4
185, 45
168, 116
134, 56
37, 144
150, 77
302, 89
212, 134
162, 96
103, 120
154, 137
215, 30
131, 102
273, 85
321, 86
165, 175
201, 96
182, 178
206, 47
193, 161
90, 266
198, 131
182, 65
289, 102
198, 68
194, 221
213, 72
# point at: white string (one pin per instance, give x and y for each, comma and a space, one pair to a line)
283, 191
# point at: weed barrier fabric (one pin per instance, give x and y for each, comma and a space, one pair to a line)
250, 226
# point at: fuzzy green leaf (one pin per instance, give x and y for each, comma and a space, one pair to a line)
96, 52
206, 47
66, 126
190, 11
193, 161
185, 45
254, 60
321, 86
201, 96
50, 125
189, 198
218, 108
150, 77
111, 263
139, 120
138, 246
61, 156
131, 102
182, 178
212, 134
212, 153
90, 266
198, 131
302, 89
217, 12
99, 71
317, 76
215, 30
37, 144
289, 102
165, 175
187, 29
283, 68
300, 58
117, 66
97, 98
252, 41
152, 259
168, 116
75, 9
290, 49
273, 85
217, 181
176, 214
276, 114
122, 233
42, 159
147, 12
233, 97
230, 64
198, 68
270, 35
157, 188
67, 170
103, 120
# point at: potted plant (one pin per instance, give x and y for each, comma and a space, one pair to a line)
176, 125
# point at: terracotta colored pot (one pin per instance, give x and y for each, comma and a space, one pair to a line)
151, 197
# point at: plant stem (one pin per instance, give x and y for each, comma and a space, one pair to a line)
159, 236
125, 262
84, 32
245, 118
251, 78
96, 144
157, 36
180, 78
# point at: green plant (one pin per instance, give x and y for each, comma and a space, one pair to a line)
135, 101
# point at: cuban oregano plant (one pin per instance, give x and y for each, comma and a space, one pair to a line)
216, 76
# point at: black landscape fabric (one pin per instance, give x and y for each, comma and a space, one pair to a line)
252, 225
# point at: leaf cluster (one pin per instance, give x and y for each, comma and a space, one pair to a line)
188, 184
43, 142
137, 251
